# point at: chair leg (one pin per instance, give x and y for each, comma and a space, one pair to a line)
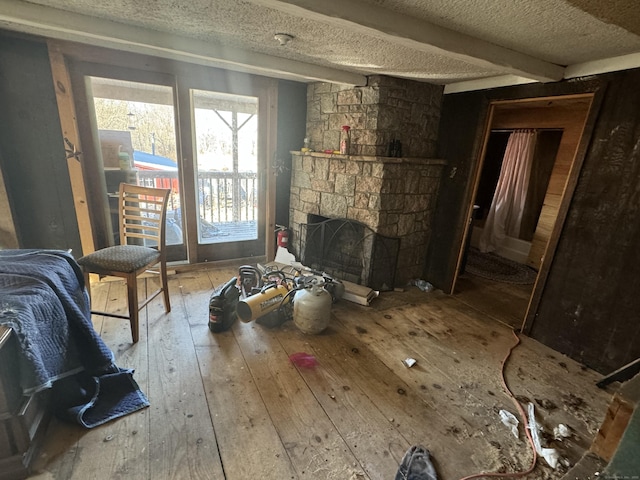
132, 298
87, 283
165, 286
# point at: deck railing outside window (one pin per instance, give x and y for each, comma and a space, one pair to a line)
223, 197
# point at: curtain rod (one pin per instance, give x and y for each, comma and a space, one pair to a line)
511, 130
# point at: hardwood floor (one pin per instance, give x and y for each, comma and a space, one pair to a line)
232, 406
504, 302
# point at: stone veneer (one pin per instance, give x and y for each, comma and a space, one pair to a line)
387, 108
393, 196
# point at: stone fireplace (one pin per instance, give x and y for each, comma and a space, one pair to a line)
392, 196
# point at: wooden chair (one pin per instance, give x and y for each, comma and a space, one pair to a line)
142, 216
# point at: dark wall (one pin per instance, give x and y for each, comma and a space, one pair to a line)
588, 309
33, 158
460, 135
292, 119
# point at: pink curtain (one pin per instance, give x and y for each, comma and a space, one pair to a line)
505, 214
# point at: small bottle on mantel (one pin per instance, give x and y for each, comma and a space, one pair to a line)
398, 148
392, 148
345, 140
395, 148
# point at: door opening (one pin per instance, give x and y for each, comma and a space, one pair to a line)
133, 127
203, 133
559, 124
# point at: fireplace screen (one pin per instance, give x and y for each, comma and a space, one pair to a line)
350, 251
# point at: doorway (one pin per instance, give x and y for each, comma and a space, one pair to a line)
137, 137
226, 135
205, 140
559, 123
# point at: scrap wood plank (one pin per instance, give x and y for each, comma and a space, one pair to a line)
314, 445
182, 440
622, 374
613, 427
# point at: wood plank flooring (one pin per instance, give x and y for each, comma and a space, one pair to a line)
504, 302
232, 406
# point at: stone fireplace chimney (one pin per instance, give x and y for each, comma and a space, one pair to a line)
393, 196
386, 109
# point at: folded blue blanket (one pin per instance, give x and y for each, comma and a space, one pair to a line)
44, 300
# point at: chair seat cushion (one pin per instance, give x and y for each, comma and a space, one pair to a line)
120, 258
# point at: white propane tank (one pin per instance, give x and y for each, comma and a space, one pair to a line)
312, 306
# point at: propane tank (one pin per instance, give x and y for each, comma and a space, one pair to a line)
312, 306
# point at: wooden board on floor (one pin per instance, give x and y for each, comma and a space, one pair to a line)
232, 406
505, 303
182, 440
240, 417
119, 447
368, 427
313, 444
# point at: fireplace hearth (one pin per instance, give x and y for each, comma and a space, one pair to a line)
350, 250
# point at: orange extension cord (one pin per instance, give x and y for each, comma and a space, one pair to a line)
524, 421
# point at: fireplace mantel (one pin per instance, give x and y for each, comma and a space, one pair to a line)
368, 158
393, 196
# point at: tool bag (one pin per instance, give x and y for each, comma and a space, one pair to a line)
222, 306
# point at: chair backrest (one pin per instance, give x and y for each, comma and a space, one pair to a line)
143, 215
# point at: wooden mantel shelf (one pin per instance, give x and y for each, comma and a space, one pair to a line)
368, 158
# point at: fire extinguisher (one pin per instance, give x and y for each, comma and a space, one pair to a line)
283, 236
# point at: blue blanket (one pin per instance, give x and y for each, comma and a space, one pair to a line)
43, 299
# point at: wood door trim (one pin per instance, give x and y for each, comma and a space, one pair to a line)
474, 192
8, 234
265, 89
516, 102
70, 133
137, 67
563, 209
572, 179
270, 175
93, 170
185, 127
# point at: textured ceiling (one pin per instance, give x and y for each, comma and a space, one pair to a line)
552, 30
438, 41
